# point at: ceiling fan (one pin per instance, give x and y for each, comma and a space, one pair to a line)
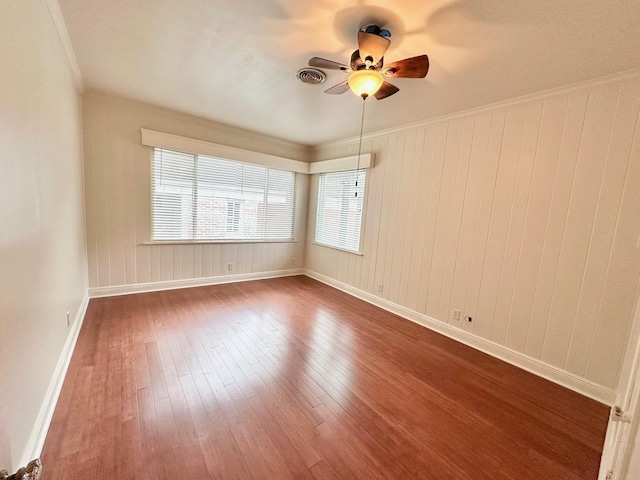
367, 69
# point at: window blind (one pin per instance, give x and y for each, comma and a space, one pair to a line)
339, 218
196, 197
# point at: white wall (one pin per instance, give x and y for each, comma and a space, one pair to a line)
525, 216
117, 169
42, 249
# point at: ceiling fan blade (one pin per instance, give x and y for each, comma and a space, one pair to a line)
337, 89
386, 90
328, 64
372, 45
414, 67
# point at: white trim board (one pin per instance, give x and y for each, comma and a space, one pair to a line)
613, 79
619, 444
52, 7
531, 365
152, 138
41, 427
99, 292
364, 160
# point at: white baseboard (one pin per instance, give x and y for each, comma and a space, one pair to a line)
532, 365
188, 283
41, 427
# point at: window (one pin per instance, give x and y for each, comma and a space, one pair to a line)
196, 197
339, 217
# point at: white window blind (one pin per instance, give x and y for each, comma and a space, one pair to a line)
339, 218
196, 197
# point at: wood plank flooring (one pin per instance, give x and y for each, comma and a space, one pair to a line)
290, 378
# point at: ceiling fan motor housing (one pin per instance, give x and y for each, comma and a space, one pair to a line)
357, 63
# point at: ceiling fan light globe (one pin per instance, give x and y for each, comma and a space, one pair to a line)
365, 82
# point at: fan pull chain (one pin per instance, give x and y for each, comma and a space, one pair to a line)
364, 99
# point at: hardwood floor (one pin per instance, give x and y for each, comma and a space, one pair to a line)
290, 378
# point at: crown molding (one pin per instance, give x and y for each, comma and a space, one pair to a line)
52, 7
608, 80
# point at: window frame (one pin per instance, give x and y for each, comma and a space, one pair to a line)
294, 201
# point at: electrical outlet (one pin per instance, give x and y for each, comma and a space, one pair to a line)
456, 315
230, 266
468, 319
68, 318
380, 287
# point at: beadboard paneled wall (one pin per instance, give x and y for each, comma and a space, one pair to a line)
525, 217
117, 169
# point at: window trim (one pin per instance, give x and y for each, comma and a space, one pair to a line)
212, 242
359, 252
178, 143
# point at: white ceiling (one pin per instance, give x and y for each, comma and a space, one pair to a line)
235, 61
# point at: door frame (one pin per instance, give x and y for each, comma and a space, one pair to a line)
617, 450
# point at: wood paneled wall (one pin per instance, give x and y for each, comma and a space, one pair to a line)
118, 194
524, 216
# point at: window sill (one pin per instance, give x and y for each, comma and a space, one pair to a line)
359, 253
211, 242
